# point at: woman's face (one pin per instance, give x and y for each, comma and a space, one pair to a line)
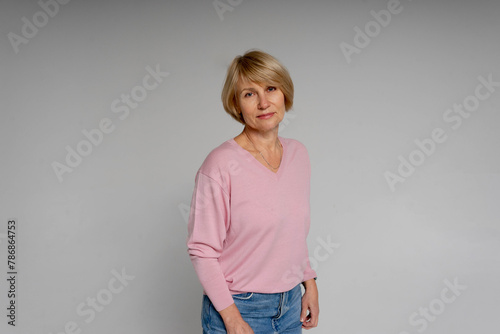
262, 105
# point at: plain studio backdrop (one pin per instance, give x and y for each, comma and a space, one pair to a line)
108, 108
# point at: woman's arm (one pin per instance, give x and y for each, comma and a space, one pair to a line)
234, 322
310, 305
207, 227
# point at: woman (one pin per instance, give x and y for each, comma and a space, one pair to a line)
249, 215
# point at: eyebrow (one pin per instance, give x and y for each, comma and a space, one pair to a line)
249, 88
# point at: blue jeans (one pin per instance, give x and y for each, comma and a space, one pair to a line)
266, 313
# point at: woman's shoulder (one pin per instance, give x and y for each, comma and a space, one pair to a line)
221, 153
293, 144
222, 158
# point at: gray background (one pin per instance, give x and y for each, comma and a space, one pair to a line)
125, 205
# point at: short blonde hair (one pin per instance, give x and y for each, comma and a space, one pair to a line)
258, 67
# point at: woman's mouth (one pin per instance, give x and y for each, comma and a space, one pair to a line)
266, 116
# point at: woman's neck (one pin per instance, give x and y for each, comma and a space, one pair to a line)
262, 141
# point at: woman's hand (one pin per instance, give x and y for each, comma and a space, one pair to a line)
234, 322
239, 328
310, 305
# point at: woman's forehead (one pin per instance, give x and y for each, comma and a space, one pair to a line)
245, 82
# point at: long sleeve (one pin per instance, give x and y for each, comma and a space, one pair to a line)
309, 273
208, 223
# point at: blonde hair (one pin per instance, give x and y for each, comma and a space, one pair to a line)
259, 67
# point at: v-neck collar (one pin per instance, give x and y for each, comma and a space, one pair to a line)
255, 161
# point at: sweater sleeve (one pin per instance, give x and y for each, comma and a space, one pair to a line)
207, 226
308, 273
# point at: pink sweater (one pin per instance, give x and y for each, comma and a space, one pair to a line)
247, 225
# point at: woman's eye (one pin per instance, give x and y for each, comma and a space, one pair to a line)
248, 95
271, 89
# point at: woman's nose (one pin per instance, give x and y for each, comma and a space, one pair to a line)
263, 102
